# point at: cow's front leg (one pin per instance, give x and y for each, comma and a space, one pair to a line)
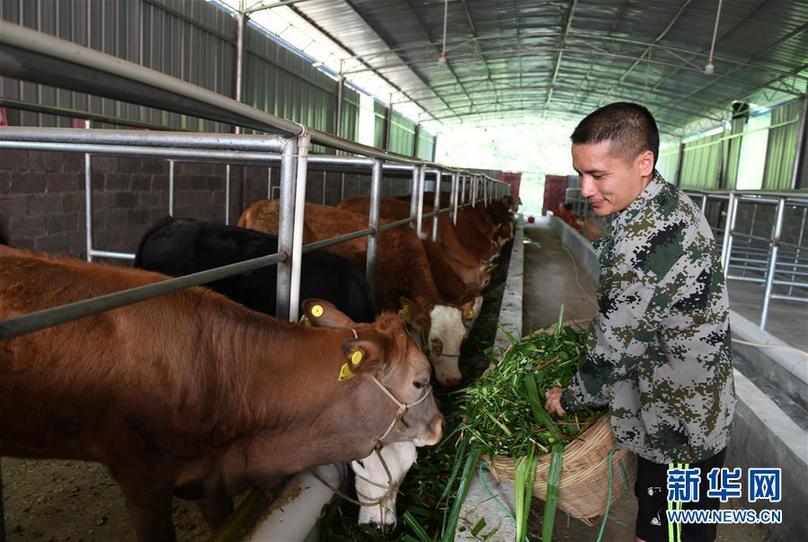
216, 507
150, 512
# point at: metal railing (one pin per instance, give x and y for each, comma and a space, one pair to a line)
768, 260
40, 58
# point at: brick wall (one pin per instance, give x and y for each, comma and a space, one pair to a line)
42, 197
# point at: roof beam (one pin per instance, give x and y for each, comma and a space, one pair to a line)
647, 50
562, 43
474, 36
408, 65
777, 43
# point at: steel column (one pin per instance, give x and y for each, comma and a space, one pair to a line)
227, 194
416, 174
303, 144
373, 222
729, 225
269, 182
88, 207
171, 187
419, 215
286, 220
800, 143
777, 230
436, 206
455, 193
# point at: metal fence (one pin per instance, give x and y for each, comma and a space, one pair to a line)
778, 262
26, 54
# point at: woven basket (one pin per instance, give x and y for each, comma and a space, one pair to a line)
584, 485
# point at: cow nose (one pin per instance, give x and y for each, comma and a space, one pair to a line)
389, 526
451, 381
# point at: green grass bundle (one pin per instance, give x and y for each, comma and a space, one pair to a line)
503, 411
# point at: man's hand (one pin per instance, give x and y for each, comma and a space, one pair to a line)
553, 401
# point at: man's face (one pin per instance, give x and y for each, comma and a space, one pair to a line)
609, 181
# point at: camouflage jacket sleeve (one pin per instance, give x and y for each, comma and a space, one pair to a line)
641, 278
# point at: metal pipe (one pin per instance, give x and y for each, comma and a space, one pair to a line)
790, 298
113, 255
269, 182
227, 194
323, 243
187, 140
342, 187
419, 216
185, 155
436, 204
395, 224
416, 173
303, 143
799, 243
373, 222
323, 188
34, 321
241, 23
463, 191
88, 207
454, 195
726, 244
776, 232
171, 187
338, 123
704, 204
286, 220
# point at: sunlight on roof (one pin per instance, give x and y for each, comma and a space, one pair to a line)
284, 23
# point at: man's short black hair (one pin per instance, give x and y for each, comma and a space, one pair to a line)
630, 127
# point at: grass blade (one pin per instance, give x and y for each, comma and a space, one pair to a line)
462, 491
523, 492
416, 527
553, 480
541, 415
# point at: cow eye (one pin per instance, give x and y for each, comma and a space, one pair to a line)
419, 384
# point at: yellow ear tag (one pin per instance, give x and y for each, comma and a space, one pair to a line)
317, 311
404, 313
469, 314
356, 358
345, 372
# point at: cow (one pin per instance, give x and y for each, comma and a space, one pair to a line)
182, 246
378, 477
470, 268
194, 394
404, 279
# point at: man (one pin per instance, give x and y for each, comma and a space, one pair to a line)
659, 353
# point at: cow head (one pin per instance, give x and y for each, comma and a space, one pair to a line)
391, 371
373, 484
442, 331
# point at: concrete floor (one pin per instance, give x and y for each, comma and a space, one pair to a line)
549, 281
787, 320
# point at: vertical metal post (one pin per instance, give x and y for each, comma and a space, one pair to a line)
342, 187
227, 194
419, 215
241, 23
799, 248
324, 176
269, 182
340, 91
88, 206
303, 143
171, 187
704, 204
416, 173
373, 222
436, 206
463, 190
729, 224
777, 230
388, 125
454, 193
286, 219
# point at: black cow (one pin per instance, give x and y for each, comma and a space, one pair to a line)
182, 246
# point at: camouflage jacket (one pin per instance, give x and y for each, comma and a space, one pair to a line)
659, 352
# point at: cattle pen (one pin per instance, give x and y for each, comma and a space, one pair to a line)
285, 150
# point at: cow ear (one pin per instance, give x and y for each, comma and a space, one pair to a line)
321, 313
360, 355
408, 308
468, 310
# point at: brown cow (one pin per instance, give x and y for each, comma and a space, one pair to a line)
468, 267
402, 271
194, 394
